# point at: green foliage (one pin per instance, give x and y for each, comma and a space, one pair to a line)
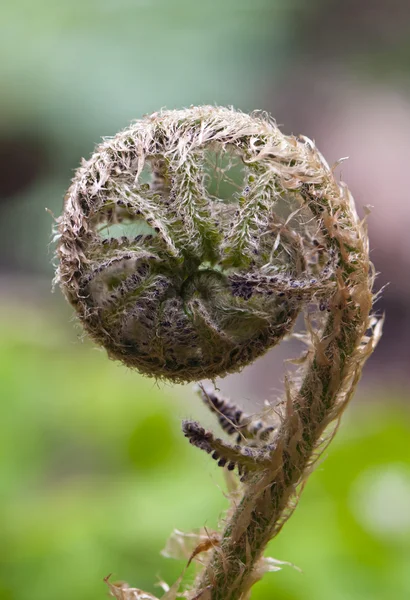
95, 473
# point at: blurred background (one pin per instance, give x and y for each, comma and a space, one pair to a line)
94, 472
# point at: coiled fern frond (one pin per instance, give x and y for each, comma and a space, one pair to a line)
188, 246
207, 284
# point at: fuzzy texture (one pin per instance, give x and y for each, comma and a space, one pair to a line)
210, 284
214, 283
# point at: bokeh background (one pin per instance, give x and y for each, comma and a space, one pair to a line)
94, 472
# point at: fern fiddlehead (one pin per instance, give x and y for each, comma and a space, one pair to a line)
210, 285
211, 282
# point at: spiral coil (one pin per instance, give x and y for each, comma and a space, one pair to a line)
210, 282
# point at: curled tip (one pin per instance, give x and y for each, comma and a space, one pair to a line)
189, 241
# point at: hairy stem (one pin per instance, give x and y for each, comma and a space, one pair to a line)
329, 380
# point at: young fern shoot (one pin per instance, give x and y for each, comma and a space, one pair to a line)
205, 282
